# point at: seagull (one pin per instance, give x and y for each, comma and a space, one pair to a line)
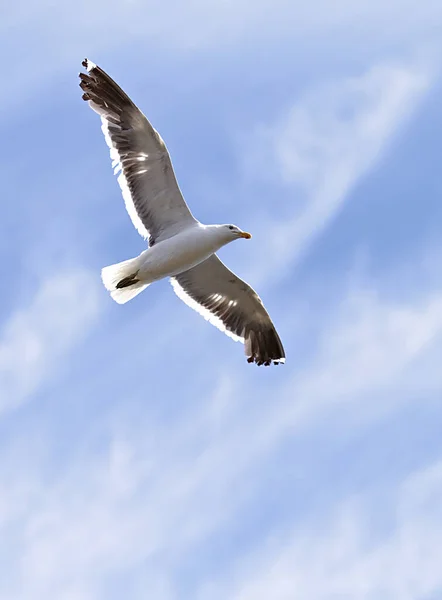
179, 246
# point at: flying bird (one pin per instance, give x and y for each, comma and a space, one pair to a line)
179, 246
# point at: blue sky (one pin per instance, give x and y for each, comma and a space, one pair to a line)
140, 455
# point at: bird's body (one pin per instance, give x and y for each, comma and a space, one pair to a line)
183, 251
167, 258
180, 247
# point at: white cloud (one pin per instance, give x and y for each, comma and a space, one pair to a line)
200, 24
218, 27
35, 337
132, 499
350, 557
133, 508
373, 341
327, 142
368, 364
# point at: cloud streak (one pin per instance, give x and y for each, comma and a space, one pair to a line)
332, 137
154, 459
37, 336
152, 491
348, 557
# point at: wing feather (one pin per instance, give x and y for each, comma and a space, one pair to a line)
233, 306
146, 177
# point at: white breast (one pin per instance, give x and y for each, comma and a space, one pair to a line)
179, 253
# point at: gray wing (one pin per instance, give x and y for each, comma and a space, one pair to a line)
233, 306
150, 190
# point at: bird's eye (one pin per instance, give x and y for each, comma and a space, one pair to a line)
231, 227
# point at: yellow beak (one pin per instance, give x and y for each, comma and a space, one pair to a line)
245, 235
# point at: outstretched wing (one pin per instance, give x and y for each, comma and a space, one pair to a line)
150, 190
233, 306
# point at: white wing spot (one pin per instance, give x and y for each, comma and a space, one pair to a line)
204, 312
122, 181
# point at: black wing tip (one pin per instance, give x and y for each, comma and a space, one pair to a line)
264, 348
266, 362
102, 89
90, 81
88, 65
85, 78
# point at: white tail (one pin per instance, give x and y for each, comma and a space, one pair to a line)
113, 274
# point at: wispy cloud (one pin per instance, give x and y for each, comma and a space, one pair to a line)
202, 25
353, 555
217, 28
157, 461
152, 491
323, 147
36, 336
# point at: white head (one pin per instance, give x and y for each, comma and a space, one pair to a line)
232, 232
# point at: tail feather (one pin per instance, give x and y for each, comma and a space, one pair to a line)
117, 280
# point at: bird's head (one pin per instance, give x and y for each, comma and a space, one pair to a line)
233, 232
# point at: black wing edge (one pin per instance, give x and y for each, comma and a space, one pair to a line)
263, 346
